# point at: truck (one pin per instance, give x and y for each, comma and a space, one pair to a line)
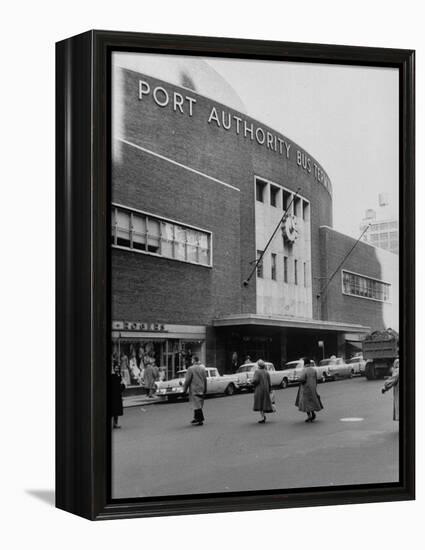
380, 349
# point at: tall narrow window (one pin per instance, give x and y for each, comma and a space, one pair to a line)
274, 193
285, 269
305, 274
298, 207
305, 211
260, 187
286, 199
273, 267
259, 265
296, 272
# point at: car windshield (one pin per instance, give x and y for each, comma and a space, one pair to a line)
326, 362
353, 360
292, 365
246, 368
181, 374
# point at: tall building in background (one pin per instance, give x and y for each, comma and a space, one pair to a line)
383, 231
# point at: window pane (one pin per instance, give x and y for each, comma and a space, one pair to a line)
260, 265
153, 235
192, 245
167, 239
139, 232
123, 228
273, 270
180, 251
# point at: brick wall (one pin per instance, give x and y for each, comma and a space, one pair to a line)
364, 260
152, 184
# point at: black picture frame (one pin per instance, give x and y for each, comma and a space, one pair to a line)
82, 291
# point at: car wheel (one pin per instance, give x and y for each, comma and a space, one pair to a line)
324, 378
230, 390
171, 398
352, 373
284, 383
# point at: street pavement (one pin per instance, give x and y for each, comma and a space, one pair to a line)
353, 441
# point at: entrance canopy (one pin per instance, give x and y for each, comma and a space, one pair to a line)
277, 321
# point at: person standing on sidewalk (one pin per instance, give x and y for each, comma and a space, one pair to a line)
116, 388
196, 382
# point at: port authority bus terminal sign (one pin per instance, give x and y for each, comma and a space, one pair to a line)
227, 121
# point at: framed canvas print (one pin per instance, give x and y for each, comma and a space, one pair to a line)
235, 282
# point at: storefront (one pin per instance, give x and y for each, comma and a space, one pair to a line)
169, 347
279, 339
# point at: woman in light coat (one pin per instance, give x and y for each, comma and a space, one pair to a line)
393, 383
263, 386
308, 400
150, 376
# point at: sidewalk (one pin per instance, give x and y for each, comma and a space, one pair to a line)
141, 399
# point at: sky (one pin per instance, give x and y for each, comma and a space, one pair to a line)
346, 117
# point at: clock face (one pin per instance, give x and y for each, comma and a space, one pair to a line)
290, 229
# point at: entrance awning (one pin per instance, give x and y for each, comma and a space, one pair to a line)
254, 319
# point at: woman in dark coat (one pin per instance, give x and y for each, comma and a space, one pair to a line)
308, 400
115, 398
262, 385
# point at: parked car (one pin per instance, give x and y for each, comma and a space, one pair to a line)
291, 372
216, 384
245, 374
333, 368
357, 365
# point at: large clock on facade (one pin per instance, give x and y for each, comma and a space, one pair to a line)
289, 229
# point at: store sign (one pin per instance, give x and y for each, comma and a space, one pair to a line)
138, 326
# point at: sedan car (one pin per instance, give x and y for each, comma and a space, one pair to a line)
245, 374
172, 389
334, 368
357, 365
291, 373
216, 384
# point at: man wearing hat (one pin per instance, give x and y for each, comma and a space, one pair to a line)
196, 382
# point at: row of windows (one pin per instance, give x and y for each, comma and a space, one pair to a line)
286, 268
357, 285
146, 233
280, 198
375, 237
385, 226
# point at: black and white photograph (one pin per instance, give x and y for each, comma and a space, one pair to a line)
254, 261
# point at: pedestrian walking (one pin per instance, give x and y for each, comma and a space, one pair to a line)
392, 382
124, 369
308, 400
150, 376
116, 388
196, 382
263, 386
